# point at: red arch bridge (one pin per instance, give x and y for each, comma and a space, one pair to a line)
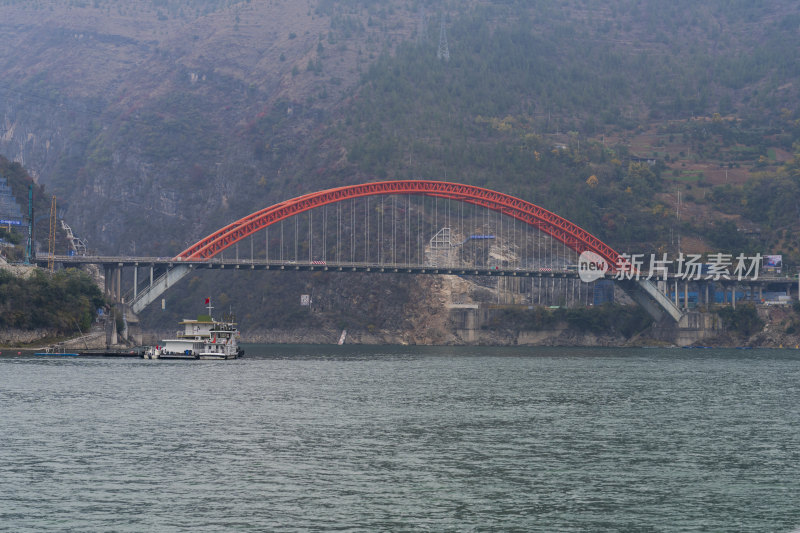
410, 226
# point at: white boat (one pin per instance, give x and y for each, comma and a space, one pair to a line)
204, 338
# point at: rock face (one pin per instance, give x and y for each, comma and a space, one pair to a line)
96, 339
155, 126
781, 330
17, 337
21, 271
139, 116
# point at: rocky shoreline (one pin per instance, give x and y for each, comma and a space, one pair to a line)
12, 337
778, 332
781, 329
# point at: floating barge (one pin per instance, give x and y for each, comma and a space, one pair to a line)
204, 338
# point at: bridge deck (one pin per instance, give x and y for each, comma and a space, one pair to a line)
320, 266
317, 266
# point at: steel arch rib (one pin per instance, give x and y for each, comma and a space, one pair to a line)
558, 227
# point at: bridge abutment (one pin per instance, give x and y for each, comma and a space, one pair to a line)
693, 327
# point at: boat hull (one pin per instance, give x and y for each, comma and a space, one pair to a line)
177, 356
156, 355
216, 356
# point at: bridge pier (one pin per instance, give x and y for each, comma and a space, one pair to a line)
116, 281
112, 274
106, 281
686, 295
113, 282
693, 326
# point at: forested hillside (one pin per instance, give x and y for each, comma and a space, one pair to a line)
537, 105
65, 303
649, 123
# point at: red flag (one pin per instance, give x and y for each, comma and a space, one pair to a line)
208, 300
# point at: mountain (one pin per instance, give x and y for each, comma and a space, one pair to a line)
136, 114
155, 122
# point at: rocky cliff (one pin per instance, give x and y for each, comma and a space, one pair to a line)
157, 122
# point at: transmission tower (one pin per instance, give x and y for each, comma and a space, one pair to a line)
444, 51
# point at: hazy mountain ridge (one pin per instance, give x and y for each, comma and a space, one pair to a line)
157, 122
127, 104
160, 106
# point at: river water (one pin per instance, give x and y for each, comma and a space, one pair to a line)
320, 438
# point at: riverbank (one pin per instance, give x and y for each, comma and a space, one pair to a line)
752, 327
42, 339
772, 327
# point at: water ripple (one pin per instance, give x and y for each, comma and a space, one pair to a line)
403, 439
